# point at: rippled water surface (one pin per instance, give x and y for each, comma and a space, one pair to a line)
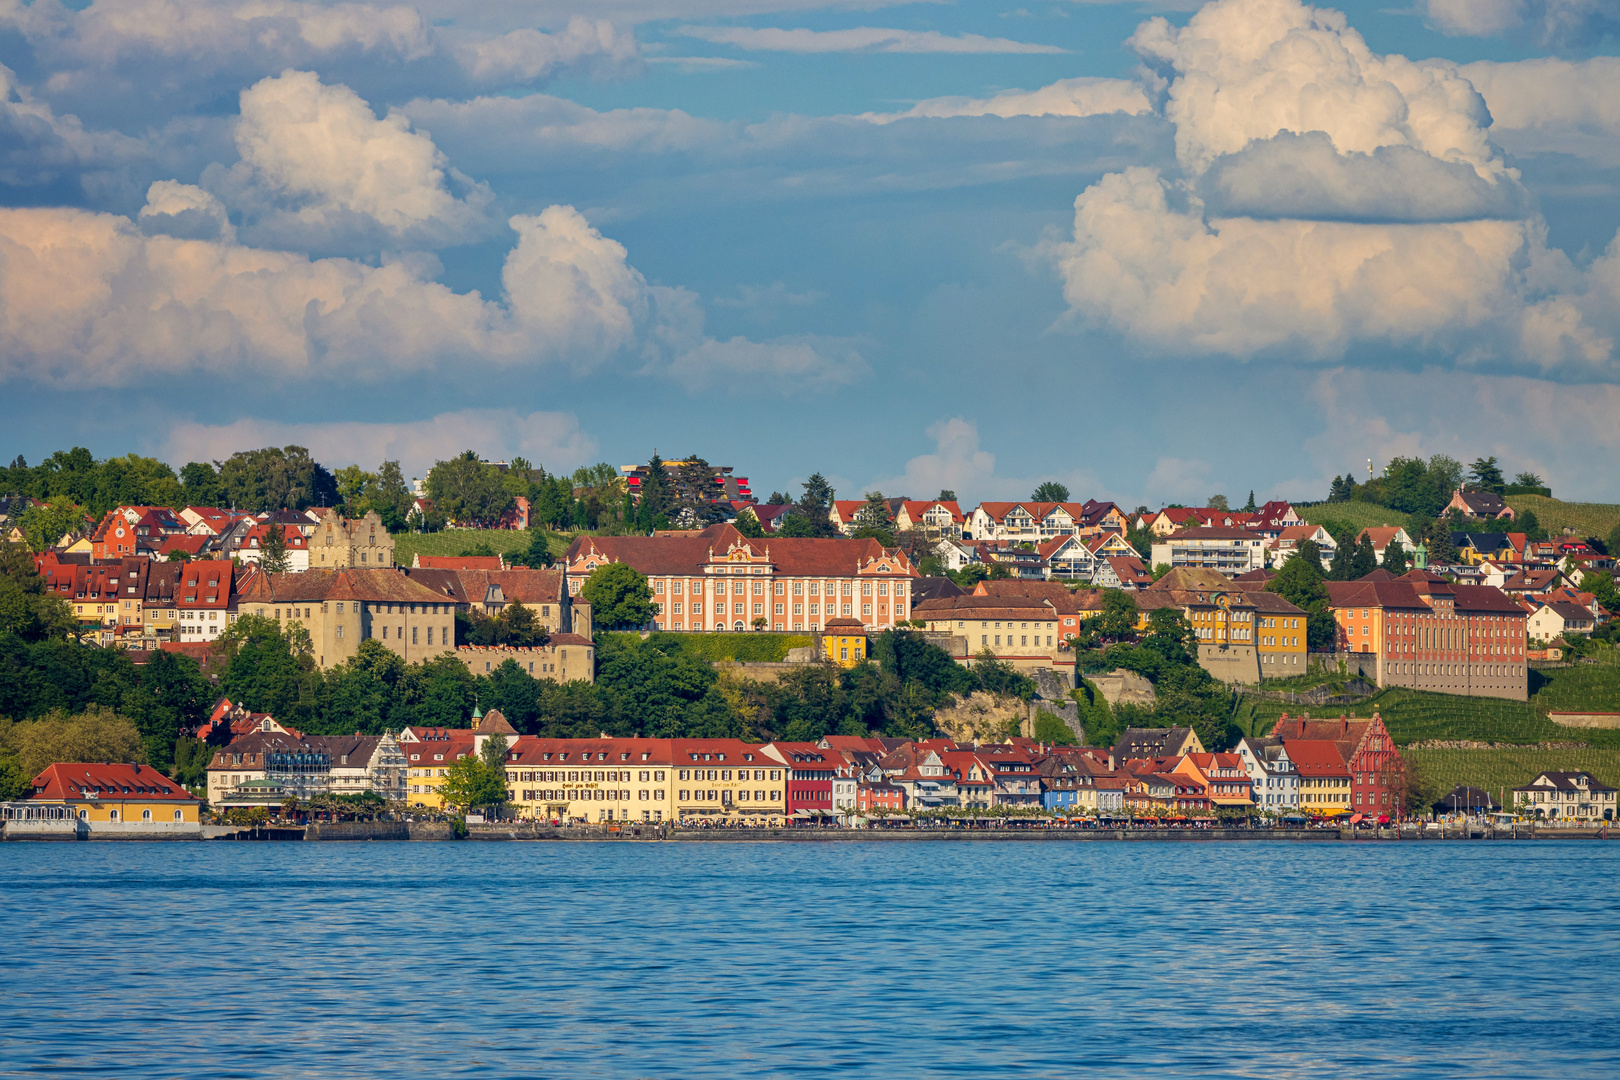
894, 959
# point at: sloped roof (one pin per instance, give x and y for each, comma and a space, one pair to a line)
101, 781
460, 562
688, 556
494, 723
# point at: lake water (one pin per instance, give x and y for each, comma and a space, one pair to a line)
1329, 960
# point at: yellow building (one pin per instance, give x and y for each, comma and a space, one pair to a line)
429, 753
647, 780
1226, 614
844, 641
727, 780
113, 794
1324, 779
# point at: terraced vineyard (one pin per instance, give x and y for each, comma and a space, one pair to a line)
458, 541
1587, 519
1437, 772
1415, 717
1363, 515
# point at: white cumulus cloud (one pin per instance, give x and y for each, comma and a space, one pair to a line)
1329, 196
315, 160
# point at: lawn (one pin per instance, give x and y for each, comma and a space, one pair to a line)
1500, 771
461, 541
1587, 519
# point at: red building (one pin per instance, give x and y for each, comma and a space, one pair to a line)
810, 771
879, 796
1377, 774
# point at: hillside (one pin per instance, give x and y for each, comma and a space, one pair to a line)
1417, 717
460, 541
1587, 519
1363, 515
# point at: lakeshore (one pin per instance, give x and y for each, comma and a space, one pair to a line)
387, 831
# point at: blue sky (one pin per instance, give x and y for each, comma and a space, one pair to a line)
1154, 252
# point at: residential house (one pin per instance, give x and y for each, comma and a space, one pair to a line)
921, 773
1324, 778
1242, 635
1287, 541
940, 518
1428, 634
955, 554
1271, 774
1229, 550
1072, 605
255, 537
205, 603
1479, 504
792, 584
1384, 535
1559, 618
1013, 772
1022, 560
843, 642
877, 797
1273, 518
728, 780
299, 763
1170, 742
1068, 557
1128, 573
1475, 548
1568, 796
1223, 776
429, 753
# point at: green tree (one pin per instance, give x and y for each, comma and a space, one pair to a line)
273, 556
1441, 548
96, 734
656, 501
468, 491
470, 782
1486, 475
494, 754
262, 670
1300, 581
815, 505
1218, 502
537, 554
619, 596
44, 526
796, 525
1529, 480
1530, 525
353, 487
946, 495
200, 484
1344, 555
1249, 506
749, 525
1395, 558
1050, 491
275, 478
1363, 559
388, 494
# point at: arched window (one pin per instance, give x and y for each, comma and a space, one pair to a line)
114, 816
177, 816
146, 815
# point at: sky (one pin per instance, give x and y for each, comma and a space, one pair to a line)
1154, 252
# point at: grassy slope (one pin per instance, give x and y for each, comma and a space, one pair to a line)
459, 541
1587, 519
752, 648
1500, 771
1413, 716
1363, 514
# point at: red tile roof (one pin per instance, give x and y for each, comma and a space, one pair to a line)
93, 782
